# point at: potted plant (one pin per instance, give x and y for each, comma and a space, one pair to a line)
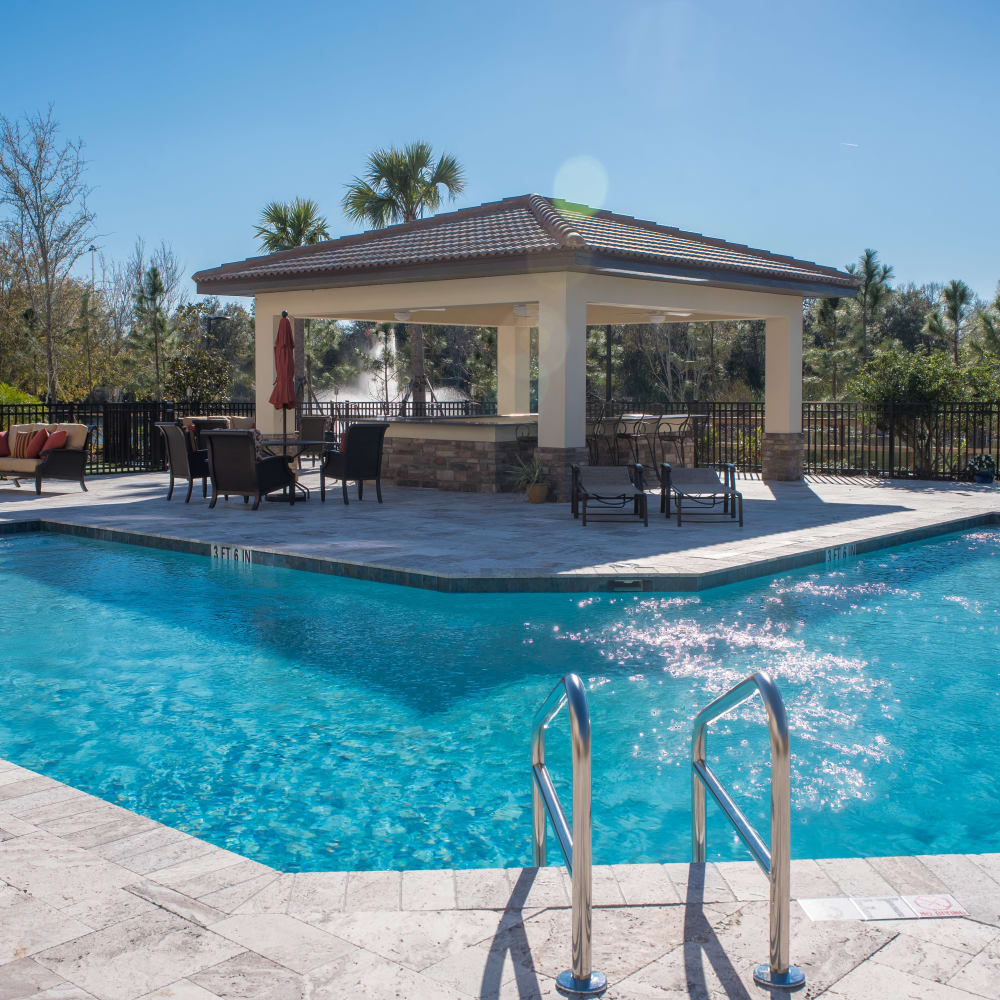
982, 468
530, 477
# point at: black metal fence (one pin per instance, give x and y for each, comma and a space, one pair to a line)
849, 439
341, 414
902, 440
125, 437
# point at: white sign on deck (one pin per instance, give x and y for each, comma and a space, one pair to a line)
232, 553
883, 907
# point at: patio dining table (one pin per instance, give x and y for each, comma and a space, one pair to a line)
636, 427
293, 447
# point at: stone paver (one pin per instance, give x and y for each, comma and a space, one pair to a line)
499, 542
75, 924
97, 903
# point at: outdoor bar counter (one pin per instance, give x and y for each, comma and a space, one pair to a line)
470, 454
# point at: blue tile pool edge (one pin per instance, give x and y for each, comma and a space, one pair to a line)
562, 583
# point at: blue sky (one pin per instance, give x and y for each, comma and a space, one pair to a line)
808, 128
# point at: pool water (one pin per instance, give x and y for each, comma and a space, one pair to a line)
318, 723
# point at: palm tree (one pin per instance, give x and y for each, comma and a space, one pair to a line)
399, 185
873, 291
152, 316
284, 226
934, 329
956, 295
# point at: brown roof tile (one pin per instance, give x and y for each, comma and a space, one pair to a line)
528, 225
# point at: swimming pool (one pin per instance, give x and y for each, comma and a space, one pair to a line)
318, 723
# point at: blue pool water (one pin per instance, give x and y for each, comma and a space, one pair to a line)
318, 723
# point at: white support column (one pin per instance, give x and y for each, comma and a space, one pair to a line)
781, 448
783, 375
562, 379
265, 331
513, 369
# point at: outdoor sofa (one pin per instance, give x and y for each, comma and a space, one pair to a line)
61, 454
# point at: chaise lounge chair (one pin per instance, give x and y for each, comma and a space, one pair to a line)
632, 502
360, 458
701, 493
235, 468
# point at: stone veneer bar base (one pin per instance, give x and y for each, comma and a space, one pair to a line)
781, 456
557, 462
466, 466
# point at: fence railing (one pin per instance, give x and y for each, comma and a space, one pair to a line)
341, 414
906, 440
125, 438
849, 439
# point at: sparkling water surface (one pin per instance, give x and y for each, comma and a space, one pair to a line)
317, 723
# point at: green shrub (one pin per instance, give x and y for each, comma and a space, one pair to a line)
9, 394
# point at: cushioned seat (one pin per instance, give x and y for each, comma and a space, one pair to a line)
69, 462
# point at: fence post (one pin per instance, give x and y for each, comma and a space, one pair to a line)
892, 440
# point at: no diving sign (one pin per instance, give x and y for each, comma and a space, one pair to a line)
937, 905
929, 905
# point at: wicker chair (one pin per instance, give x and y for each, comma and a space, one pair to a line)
183, 462
360, 459
235, 468
312, 427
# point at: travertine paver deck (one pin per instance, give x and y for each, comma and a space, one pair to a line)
96, 902
469, 540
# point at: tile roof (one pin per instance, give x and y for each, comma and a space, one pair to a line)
529, 226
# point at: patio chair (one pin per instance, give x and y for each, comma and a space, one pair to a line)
183, 462
312, 427
235, 468
704, 493
671, 434
360, 458
586, 502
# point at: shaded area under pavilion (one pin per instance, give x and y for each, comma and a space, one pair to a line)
533, 262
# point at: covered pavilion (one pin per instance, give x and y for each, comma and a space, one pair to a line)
531, 261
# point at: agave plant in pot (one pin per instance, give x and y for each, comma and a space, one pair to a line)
982, 468
530, 477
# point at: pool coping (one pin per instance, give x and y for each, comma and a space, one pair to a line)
581, 582
105, 902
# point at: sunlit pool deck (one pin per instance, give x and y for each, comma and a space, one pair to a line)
477, 542
99, 902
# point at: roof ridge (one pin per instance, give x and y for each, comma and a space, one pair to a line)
552, 221
716, 241
350, 239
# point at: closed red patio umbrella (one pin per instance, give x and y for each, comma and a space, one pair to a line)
283, 393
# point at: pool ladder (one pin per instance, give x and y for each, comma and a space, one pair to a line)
775, 861
580, 978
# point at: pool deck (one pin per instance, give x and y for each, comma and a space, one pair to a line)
98, 902
475, 542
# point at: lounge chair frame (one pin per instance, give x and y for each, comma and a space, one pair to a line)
724, 501
610, 506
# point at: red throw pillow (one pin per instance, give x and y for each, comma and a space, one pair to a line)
4, 445
37, 443
343, 441
57, 439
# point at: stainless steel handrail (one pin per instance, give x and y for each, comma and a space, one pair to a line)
776, 860
576, 843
